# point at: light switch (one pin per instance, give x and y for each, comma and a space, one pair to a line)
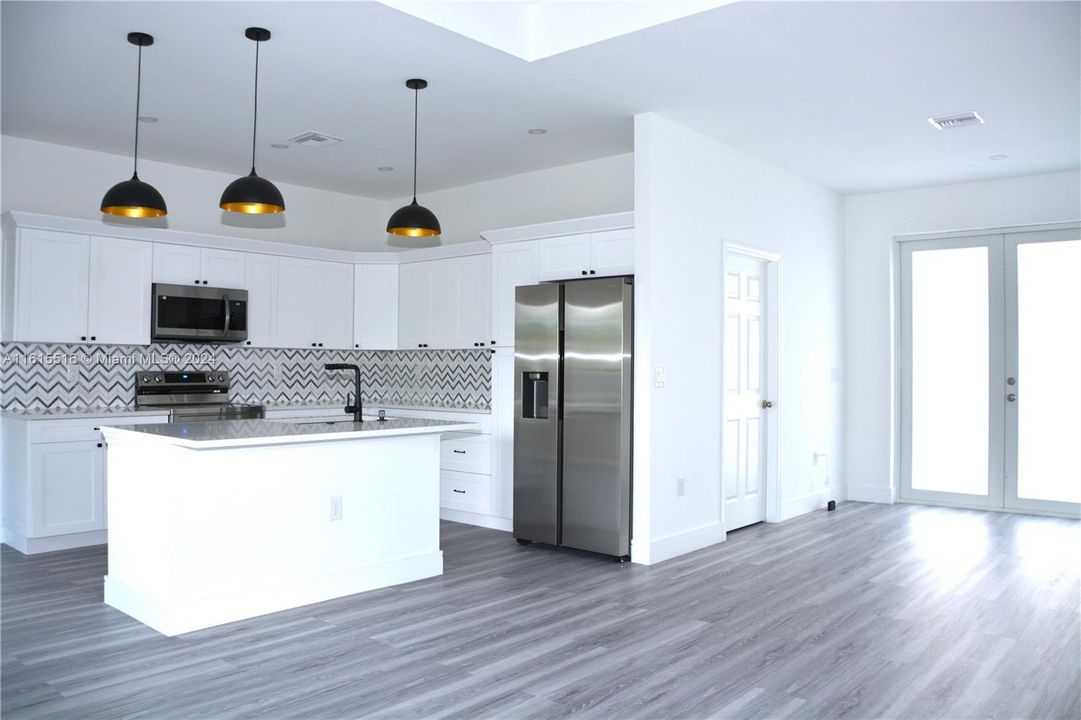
658, 377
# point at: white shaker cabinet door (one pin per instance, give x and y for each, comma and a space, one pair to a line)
119, 304
513, 264
474, 301
612, 252
443, 315
333, 304
52, 278
261, 282
296, 317
375, 307
68, 487
177, 264
222, 268
564, 258
414, 294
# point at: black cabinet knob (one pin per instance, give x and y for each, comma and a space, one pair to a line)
82, 337
320, 344
356, 345
583, 272
93, 337
482, 344
247, 342
99, 444
592, 272
493, 342
97, 428
313, 344
204, 282
196, 282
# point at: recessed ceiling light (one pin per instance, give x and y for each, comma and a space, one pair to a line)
949, 122
536, 131
998, 157
384, 168
147, 119
279, 146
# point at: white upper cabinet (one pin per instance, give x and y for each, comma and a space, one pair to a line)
564, 257
443, 305
222, 268
474, 301
513, 264
177, 264
119, 301
52, 275
414, 299
333, 288
190, 265
315, 304
375, 307
612, 252
589, 254
261, 282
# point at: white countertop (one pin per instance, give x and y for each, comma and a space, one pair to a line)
249, 433
94, 412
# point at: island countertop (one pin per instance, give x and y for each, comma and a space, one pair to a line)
250, 433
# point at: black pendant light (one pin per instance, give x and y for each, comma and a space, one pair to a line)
414, 220
252, 194
135, 198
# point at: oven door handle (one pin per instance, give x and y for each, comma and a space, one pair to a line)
228, 313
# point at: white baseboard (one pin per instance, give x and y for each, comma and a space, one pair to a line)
803, 505
32, 546
682, 543
488, 521
871, 493
170, 617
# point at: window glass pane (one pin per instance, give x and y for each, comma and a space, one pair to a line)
1049, 371
950, 370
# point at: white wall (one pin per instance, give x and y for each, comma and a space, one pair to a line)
872, 221
594, 187
692, 194
68, 181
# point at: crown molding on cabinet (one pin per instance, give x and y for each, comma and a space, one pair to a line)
18, 218
575, 226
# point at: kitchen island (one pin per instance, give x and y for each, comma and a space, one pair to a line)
215, 522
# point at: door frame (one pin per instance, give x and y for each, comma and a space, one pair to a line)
772, 454
897, 368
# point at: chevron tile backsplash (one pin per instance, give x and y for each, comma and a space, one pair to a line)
45, 375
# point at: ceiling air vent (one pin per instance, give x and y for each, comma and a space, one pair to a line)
314, 139
949, 122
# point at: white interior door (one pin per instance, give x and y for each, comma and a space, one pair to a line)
1043, 371
746, 401
990, 387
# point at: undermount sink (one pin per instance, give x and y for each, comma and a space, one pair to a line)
332, 420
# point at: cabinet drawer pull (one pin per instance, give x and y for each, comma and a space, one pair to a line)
461, 492
99, 444
460, 452
97, 428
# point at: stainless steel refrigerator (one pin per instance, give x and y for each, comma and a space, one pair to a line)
573, 365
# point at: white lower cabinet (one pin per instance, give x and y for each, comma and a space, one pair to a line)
468, 492
54, 480
69, 487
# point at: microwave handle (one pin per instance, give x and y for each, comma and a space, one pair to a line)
228, 319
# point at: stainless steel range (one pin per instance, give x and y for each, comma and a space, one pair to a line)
192, 396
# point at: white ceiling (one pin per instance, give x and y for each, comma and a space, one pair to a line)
838, 92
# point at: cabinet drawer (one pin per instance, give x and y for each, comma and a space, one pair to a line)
466, 452
465, 491
78, 430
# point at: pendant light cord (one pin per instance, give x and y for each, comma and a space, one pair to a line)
255, 112
138, 99
416, 101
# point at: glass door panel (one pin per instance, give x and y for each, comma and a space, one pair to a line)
951, 331
1043, 387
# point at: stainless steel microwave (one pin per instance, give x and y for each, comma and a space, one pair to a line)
199, 314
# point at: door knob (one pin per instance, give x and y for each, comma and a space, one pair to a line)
767, 404
1011, 397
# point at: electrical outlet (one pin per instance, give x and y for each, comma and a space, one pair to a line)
681, 486
658, 377
336, 507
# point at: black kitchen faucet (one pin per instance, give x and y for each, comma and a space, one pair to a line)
356, 408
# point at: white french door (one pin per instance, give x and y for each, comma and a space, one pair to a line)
991, 371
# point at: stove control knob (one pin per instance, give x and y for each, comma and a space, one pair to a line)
157, 378
146, 378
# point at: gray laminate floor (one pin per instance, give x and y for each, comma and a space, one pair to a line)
870, 611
